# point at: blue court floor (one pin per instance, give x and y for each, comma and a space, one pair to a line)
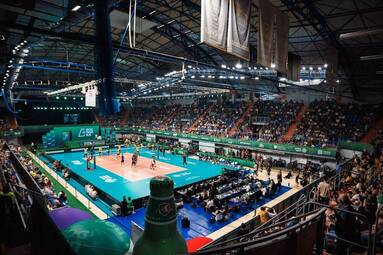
117, 186
199, 219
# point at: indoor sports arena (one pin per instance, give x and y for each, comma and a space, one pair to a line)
180, 127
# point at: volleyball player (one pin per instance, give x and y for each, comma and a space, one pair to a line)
153, 163
88, 163
184, 163
134, 159
85, 152
100, 151
122, 159
118, 150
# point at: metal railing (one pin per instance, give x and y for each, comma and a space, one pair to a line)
377, 233
291, 206
283, 231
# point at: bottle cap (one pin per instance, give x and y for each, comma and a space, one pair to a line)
161, 186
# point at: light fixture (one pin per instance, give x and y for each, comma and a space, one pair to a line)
272, 65
223, 66
238, 66
303, 68
76, 8
325, 65
371, 57
311, 68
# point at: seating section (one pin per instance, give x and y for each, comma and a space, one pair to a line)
185, 117
221, 119
54, 198
360, 191
272, 118
326, 123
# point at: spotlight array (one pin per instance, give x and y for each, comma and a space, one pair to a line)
19, 52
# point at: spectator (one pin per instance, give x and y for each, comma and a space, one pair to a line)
323, 192
263, 214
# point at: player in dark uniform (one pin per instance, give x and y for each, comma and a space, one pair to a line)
184, 163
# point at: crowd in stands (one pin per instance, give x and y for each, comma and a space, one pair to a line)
378, 142
355, 206
185, 116
7, 122
53, 197
276, 117
326, 123
220, 119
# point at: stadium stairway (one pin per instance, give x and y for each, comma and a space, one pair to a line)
372, 132
294, 126
245, 115
13, 122
201, 118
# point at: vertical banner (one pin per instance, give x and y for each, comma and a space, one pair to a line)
282, 42
214, 17
90, 97
265, 32
239, 28
294, 67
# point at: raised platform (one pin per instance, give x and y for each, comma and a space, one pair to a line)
122, 180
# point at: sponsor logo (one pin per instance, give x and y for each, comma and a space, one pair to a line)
85, 132
76, 162
107, 179
165, 209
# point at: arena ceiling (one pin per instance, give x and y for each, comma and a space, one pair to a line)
58, 53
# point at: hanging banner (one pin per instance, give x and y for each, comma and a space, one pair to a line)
282, 42
214, 17
90, 97
239, 28
294, 67
265, 32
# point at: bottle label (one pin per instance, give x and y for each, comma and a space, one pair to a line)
165, 209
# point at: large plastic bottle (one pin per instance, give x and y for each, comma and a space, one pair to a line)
161, 236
